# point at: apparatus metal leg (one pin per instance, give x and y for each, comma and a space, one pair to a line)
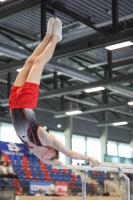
127, 183
84, 186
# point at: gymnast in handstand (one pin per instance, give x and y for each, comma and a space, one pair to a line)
23, 100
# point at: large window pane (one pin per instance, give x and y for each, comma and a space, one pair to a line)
60, 136
78, 144
112, 148
8, 134
124, 150
94, 148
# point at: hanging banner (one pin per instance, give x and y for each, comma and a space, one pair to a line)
35, 186
10, 148
61, 188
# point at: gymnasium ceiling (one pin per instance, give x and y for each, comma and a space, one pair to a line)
80, 61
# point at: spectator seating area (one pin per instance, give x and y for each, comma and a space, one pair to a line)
32, 168
9, 182
100, 176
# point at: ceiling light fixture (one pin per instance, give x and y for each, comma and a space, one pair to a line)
18, 70
119, 45
59, 126
96, 89
119, 123
75, 112
130, 103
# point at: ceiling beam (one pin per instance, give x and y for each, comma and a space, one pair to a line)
76, 16
68, 71
66, 49
19, 10
73, 48
113, 39
79, 101
4, 102
72, 72
115, 15
11, 66
126, 91
124, 119
80, 88
85, 119
122, 112
93, 109
18, 34
13, 52
121, 64
15, 41
85, 44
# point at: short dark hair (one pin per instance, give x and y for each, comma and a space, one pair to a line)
57, 155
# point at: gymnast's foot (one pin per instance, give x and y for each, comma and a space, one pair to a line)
57, 29
50, 25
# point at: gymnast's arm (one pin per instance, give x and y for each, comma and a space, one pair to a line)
72, 154
53, 162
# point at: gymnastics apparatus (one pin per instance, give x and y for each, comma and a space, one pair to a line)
106, 167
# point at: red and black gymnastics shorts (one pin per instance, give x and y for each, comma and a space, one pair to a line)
22, 102
25, 96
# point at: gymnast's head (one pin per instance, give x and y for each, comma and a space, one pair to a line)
52, 154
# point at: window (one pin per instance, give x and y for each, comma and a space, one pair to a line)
8, 134
60, 136
112, 148
124, 150
78, 144
94, 148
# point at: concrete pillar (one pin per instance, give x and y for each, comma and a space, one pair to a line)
68, 132
131, 146
117, 148
103, 140
86, 146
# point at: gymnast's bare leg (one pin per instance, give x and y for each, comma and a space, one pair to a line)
23, 74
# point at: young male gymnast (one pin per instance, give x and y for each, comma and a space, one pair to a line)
23, 100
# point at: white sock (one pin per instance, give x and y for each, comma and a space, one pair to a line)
57, 29
50, 25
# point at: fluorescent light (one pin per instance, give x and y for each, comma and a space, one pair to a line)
130, 103
119, 123
75, 112
18, 70
59, 126
119, 45
94, 89
2, 0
